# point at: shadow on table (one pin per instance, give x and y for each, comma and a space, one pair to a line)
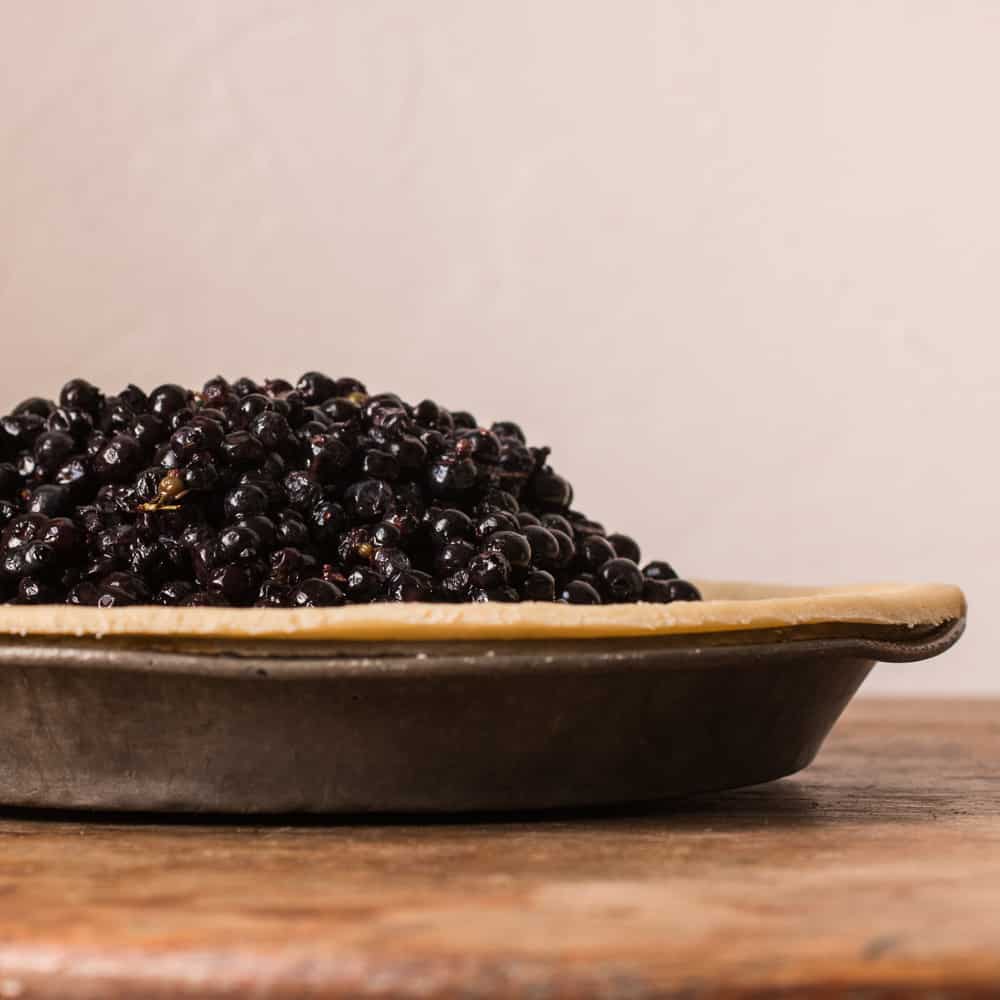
787, 803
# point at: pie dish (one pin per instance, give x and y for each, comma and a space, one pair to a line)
440, 708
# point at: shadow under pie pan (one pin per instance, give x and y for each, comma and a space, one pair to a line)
440, 708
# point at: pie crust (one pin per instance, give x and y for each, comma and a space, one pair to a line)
727, 607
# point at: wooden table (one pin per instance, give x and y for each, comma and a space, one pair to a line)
876, 873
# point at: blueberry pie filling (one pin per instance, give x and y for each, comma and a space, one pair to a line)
274, 495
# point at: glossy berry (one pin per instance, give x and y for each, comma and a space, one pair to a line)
315, 388
363, 584
488, 569
666, 591
550, 491
236, 582
659, 571
619, 581
579, 592
315, 593
625, 547
515, 547
544, 547
496, 521
390, 562
453, 556
411, 585
538, 586
167, 399
52, 448
50, 499
450, 525
119, 460
122, 589
174, 592
450, 477
503, 595
243, 501
273, 594
592, 551
238, 543
79, 394
369, 500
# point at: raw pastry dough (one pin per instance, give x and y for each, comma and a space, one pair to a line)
727, 607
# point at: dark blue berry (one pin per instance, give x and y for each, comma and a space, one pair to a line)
659, 571
513, 546
579, 592
315, 593
243, 501
592, 552
619, 581
667, 591
369, 500
363, 584
167, 399
625, 547
122, 589
411, 585
79, 394
488, 569
538, 586
51, 500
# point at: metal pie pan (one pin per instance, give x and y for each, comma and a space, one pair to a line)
231, 725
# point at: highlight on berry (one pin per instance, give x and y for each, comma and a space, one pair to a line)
269, 494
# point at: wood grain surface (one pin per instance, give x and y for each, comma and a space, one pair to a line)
876, 873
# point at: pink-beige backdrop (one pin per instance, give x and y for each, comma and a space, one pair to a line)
736, 262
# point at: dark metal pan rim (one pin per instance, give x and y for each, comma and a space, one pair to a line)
315, 659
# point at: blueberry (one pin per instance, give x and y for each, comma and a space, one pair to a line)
315, 593
243, 501
625, 547
167, 399
505, 595
451, 525
538, 586
550, 491
449, 476
454, 556
52, 448
238, 583
79, 394
238, 543
369, 499
497, 521
666, 591
363, 584
411, 585
51, 500
488, 569
619, 581
119, 460
273, 594
659, 571
592, 552
515, 547
579, 592
316, 388
122, 589
545, 549
326, 521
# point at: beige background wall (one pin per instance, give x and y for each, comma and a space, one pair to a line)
736, 262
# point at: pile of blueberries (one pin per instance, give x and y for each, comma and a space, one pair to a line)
284, 496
